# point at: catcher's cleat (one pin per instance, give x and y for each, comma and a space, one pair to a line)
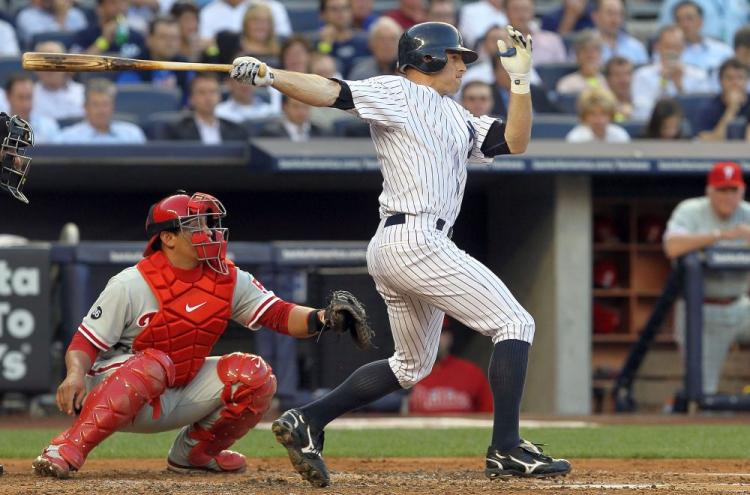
227, 461
526, 460
304, 449
50, 463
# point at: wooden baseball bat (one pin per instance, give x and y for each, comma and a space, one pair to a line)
71, 62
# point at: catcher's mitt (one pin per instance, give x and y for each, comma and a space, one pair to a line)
345, 314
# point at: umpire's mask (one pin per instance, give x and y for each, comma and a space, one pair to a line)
17, 135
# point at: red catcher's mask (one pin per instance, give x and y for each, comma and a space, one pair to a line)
200, 217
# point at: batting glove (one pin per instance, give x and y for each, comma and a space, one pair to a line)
516, 60
250, 70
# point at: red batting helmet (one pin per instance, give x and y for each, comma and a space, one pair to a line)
605, 274
199, 216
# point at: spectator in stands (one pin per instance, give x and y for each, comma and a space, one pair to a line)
454, 385
476, 97
668, 76
337, 37
98, 126
477, 18
203, 124
8, 40
704, 52
714, 118
482, 70
324, 66
163, 43
572, 16
618, 72
609, 19
186, 14
295, 55
442, 11
362, 14
742, 46
3, 101
408, 13
295, 123
588, 50
721, 218
548, 46
226, 15
383, 42
722, 17
667, 121
245, 104
111, 33
56, 95
46, 16
596, 112
258, 38
19, 89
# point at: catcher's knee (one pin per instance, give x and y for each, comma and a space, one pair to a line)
249, 383
152, 367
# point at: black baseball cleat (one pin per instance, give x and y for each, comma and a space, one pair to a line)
526, 460
304, 449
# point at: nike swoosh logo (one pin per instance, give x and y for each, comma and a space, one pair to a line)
190, 308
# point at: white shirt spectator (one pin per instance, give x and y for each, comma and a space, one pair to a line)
219, 16
119, 133
648, 87
33, 20
210, 134
477, 18
298, 134
4, 107
237, 112
709, 54
63, 103
583, 134
46, 129
8, 40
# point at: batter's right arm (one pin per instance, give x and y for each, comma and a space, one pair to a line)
307, 88
516, 60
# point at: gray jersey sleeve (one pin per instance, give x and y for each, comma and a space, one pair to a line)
684, 220
108, 317
380, 100
250, 300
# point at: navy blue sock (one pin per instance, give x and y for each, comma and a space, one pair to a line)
367, 384
507, 373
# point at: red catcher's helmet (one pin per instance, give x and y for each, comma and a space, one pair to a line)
605, 274
200, 217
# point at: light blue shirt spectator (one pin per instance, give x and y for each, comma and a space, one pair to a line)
721, 18
46, 130
34, 20
708, 54
626, 46
118, 133
8, 40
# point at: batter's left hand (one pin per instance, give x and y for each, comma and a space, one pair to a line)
516, 59
252, 71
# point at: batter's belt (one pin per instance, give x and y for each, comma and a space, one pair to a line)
400, 218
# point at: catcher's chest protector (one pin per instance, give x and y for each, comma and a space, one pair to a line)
192, 315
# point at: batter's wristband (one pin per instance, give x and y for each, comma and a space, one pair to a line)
314, 325
520, 83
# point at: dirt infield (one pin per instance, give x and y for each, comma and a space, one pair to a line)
272, 476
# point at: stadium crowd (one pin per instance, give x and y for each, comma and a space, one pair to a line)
690, 65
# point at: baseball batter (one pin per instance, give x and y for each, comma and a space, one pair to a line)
720, 218
149, 336
423, 140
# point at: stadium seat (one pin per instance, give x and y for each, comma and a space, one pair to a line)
66, 38
552, 127
351, 128
692, 105
305, 20
144, 100
68, 121
551, 73
8, 66
254, 127
567, 103
636, 128
736, 129
155, 125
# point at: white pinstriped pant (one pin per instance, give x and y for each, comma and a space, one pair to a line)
422, 275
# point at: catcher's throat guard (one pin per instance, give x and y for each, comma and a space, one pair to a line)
199, 216
14, 164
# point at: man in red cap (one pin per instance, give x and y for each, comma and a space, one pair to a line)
140, 360
721, 217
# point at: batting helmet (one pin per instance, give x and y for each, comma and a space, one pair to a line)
200, 217
15, 136
425, 46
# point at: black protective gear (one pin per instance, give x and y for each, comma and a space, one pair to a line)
425, 46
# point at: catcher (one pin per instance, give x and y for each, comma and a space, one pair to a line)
15, 136
149, 336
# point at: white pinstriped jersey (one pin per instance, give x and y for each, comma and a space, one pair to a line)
127, 304
423, 142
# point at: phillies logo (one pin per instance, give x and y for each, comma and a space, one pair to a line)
145, 319
257, 283
728, 172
